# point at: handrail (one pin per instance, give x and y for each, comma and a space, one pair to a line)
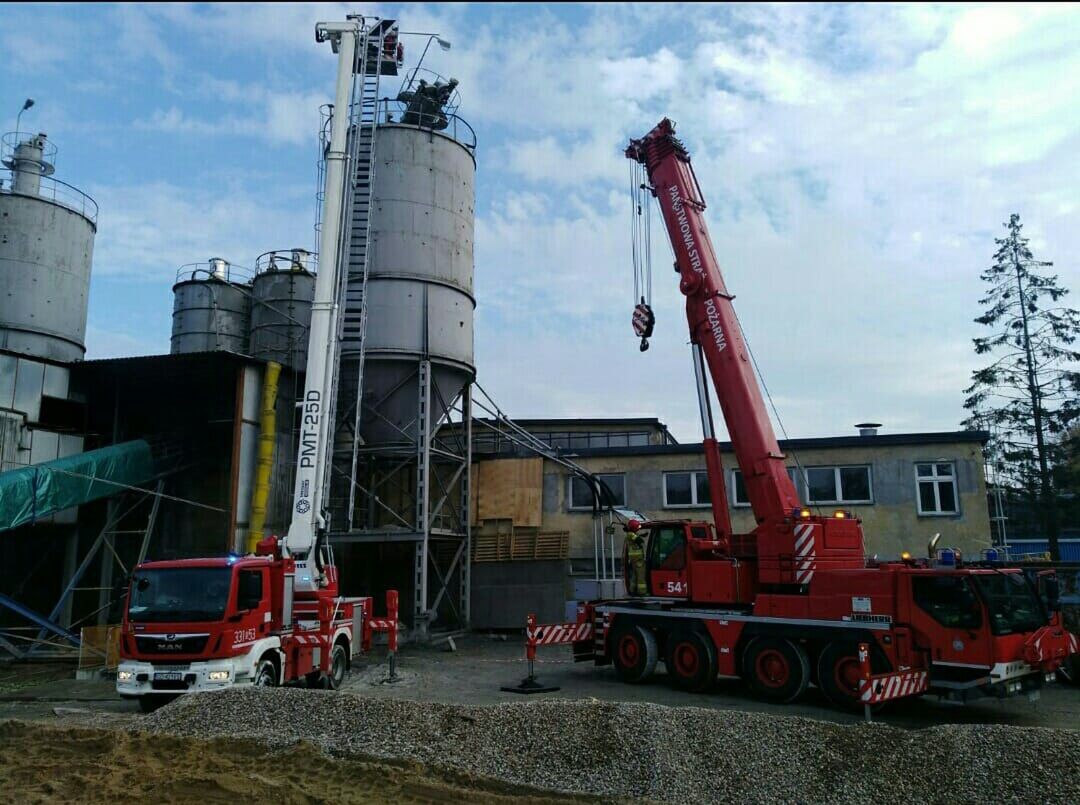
60, 193
286, 260
210, 270
446, 123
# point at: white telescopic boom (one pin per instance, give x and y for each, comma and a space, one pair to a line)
315, 427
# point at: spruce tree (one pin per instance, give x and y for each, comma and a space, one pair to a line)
1027, 397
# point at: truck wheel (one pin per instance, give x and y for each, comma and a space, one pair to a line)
691, 660
776, 669
839, 672
266, 674
634, 655
339, 664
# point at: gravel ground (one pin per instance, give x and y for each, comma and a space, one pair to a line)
668, 754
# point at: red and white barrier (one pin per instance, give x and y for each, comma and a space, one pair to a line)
877, 688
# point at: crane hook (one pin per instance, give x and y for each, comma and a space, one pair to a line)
643, 321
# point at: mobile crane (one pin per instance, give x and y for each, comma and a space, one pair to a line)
792, 602
274, 616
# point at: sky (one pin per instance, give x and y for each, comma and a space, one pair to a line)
857, 162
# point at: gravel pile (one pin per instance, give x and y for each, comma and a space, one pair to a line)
667, 754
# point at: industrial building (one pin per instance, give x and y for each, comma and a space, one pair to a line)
534, 537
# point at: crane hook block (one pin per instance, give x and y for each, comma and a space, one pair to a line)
643, 321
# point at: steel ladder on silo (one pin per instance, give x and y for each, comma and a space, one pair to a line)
357, 237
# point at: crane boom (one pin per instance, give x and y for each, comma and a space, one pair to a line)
313, 453
715, 329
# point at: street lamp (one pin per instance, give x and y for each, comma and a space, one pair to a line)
443, 43
18, 118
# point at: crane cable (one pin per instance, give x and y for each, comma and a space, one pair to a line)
641, 252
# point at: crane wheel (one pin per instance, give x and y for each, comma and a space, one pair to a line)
633, 652
839, 672
691, 660
776, 669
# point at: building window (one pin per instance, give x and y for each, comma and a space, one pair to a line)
838, 485
684, 490
738, 488
937, 489
581, 497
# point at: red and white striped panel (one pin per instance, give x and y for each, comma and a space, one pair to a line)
381, 624
554, 633
884, 687
804, 553
308, 639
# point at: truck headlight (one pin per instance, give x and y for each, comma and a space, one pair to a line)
218, 676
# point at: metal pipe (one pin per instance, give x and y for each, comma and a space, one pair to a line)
265, 464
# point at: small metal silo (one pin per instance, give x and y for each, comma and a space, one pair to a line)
211, 308
281, 296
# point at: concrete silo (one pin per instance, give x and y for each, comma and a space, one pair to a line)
211, 308
401, 487
46, 247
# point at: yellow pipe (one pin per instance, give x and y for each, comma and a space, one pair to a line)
265, 463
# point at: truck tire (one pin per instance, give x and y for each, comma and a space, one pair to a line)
839, 672
776, 669
691, 660
633, 652
266, 675
339, 665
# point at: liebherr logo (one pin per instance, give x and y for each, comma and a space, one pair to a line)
712, 312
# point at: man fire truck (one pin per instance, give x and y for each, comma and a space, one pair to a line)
274, 616
790, 603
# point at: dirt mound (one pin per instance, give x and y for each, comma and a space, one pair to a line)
50, 764
650, 751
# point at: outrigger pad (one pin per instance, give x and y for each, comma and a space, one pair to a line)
529, 685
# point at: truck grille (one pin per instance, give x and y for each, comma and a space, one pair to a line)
166, 644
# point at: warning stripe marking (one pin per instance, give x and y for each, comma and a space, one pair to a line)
884, 687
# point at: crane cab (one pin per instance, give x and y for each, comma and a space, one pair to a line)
684, 560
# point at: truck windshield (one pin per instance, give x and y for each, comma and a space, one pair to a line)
1012, 603
164, 595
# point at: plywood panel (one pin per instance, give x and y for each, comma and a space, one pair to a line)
511, 489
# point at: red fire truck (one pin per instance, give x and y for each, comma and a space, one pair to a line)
788, 604
274, 616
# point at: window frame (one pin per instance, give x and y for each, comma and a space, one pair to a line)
695, 503
936, 480
588, 506
838, 486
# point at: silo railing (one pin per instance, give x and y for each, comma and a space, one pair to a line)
287, 260
59, 193
441, 122
215, 268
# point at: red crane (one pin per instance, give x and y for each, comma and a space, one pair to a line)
795, 600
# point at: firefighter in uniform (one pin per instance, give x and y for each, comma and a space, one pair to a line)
637, 584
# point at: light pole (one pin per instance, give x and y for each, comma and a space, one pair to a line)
18, 118
443, 43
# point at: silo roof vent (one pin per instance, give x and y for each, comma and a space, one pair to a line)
868, 428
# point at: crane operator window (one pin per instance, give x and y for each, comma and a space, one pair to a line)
668, 549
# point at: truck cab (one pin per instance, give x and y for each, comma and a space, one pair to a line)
198, 624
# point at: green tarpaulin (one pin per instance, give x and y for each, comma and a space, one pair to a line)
30, 493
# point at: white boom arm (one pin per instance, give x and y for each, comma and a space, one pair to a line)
313, 453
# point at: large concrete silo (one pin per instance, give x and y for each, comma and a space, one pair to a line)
390, 485
47, 231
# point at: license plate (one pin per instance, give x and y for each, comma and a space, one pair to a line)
168, 676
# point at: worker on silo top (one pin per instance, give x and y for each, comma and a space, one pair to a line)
636, 582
